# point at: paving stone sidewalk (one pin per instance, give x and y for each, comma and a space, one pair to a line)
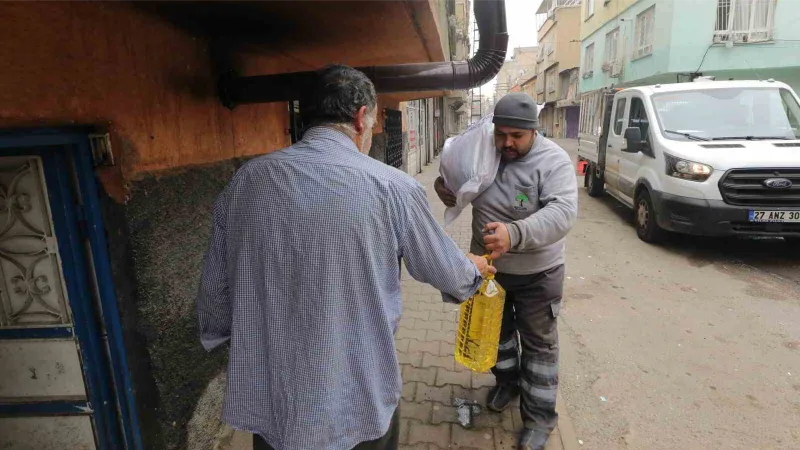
431, 377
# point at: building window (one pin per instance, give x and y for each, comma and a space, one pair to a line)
564, 80
589, 8
743, 21
612, 49
592, 113
619, 116
638, 117
645, 25
588, 61
550, 80
540, 83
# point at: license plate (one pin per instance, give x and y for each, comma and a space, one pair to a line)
774, 216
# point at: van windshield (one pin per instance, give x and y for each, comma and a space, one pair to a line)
731, 113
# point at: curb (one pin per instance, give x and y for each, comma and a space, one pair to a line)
569, 440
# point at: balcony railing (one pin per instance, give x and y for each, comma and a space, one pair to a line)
744, 21
550, 5
547, 10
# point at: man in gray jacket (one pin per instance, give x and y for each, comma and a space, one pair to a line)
522, 220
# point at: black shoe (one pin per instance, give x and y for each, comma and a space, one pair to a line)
533, 439
501, 396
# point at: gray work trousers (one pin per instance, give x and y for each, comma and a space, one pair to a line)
530, 318
389, 441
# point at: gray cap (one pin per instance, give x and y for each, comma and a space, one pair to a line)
517, 110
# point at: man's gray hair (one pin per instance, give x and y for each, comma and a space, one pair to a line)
339, 92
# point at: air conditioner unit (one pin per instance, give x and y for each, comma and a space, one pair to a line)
644, 51
616, 69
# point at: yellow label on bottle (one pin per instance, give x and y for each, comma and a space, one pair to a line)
480, 319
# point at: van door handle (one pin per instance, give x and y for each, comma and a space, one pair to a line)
610, 146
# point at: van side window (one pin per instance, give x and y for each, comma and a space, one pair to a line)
638, 117
619, 116
792, 112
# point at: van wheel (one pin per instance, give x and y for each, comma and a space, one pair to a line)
646, 225
594, 183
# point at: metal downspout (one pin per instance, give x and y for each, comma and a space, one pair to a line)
490, 16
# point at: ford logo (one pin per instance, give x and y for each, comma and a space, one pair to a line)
778, 183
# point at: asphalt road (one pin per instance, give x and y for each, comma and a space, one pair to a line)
692, 344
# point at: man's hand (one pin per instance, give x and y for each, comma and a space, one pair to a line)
482, 264
497, 241
445, 195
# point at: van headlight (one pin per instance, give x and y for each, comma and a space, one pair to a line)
687, 170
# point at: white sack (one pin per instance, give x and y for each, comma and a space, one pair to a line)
469, 165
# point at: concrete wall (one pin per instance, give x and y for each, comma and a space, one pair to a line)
540, 88
440, 13
683, 43
169, 224
568, 49
552, 83
529, 87
525, 56
517, 69
657, 63
463, 13
547, 120
548, 43
561, 32
604, 10
693, 34
152, 86
149, 84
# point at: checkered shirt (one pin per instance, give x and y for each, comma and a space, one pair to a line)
302, 278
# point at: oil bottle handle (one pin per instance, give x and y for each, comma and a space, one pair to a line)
489, 260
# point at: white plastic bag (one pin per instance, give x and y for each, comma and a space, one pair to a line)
469, 164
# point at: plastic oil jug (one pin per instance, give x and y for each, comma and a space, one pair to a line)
479, 323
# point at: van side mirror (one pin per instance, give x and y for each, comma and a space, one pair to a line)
633, 136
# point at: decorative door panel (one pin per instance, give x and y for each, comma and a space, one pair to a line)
40, 369
32, 289
33, 298
55, 432
64, 378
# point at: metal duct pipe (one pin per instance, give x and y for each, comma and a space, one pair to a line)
451, 75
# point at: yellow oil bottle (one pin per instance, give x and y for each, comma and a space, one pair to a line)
479, 323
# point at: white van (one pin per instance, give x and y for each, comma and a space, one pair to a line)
714, 158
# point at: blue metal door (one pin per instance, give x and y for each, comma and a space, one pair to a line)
64, 381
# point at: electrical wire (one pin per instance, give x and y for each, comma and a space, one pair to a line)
704, 58
709, 48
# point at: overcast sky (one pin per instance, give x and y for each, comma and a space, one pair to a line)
521, 21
